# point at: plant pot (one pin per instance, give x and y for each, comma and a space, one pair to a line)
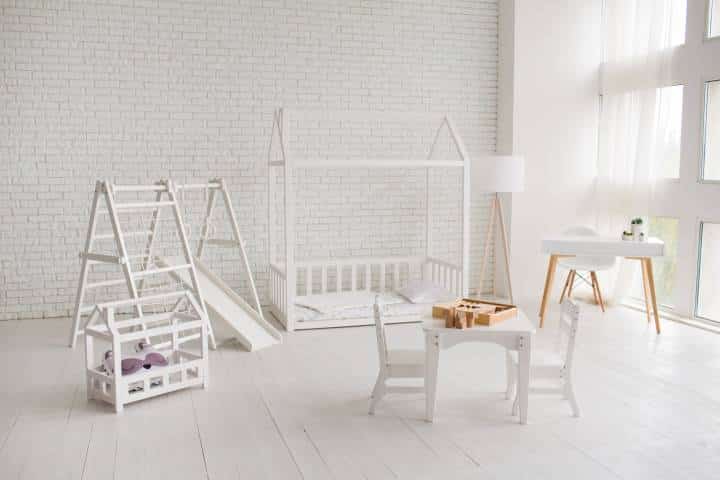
637, 229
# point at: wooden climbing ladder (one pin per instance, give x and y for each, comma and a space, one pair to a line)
105, 204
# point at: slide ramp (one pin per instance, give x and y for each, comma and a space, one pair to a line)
249, 327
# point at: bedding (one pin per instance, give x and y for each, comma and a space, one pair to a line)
334, 303
303, 314
421, 291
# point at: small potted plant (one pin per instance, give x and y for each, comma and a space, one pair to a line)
637, 227
627, 235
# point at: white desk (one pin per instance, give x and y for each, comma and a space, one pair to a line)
570, 246
513, 334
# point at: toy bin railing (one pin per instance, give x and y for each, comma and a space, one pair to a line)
108, 329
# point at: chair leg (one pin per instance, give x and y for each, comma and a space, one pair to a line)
510, 374
597, 287
570, 396
516, 404
594, 288
565, 288
377, 393
572, 282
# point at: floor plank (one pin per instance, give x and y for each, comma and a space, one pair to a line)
299, 410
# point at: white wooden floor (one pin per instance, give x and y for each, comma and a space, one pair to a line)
651, 409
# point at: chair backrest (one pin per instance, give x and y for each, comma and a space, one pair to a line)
569, 321
580, 231
380, 332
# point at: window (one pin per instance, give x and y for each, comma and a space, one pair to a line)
708, 281
713, 18
640, 145
711, 136
664, 268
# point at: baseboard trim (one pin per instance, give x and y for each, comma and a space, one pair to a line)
676, 318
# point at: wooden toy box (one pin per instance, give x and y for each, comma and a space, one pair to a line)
468, 312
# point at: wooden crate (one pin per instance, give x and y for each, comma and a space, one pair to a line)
468, 312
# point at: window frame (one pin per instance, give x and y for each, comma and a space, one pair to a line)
696, 287
709, 11
703, 131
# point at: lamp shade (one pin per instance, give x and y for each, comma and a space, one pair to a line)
499, 173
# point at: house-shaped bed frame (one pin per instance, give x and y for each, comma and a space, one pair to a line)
355, 273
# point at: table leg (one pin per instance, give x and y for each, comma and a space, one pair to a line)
432, 356
552, 264
524, 348
653, 297
646, 289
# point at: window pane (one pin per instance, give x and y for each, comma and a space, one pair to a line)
669, 119
711, 150
708, 300
714, 18
636, 28
666, 229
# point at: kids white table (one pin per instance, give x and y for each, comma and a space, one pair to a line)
514, 334
570, 246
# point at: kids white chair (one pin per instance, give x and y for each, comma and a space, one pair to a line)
591, 264
394, 364
552, 366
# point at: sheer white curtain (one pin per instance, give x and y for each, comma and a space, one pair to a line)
639, 124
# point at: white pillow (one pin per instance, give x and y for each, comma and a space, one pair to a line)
423, 291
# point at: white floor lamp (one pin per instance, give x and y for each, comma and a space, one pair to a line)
498, 174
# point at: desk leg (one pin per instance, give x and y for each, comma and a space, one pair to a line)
646, 289
524, 349
653, 297
552, 265
432, 357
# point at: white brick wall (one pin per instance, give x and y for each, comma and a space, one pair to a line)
133, 91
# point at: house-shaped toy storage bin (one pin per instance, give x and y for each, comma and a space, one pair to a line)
180, 334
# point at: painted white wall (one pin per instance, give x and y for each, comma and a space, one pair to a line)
557, 54
136, 91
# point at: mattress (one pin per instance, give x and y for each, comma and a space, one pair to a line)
393, 306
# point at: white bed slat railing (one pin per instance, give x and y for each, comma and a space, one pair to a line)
353, 274
445, 274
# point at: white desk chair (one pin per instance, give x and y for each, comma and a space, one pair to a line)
591, 264
552, 366
394, 364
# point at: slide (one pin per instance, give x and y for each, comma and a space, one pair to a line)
251, 330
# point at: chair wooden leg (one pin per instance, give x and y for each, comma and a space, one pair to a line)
565, 287
572, 282
594, 288
599, 294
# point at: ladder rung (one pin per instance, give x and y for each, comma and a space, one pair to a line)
161, 270
99, 257
105, 236
138, 205
222, 242
105, 283
140, 188
197, 186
